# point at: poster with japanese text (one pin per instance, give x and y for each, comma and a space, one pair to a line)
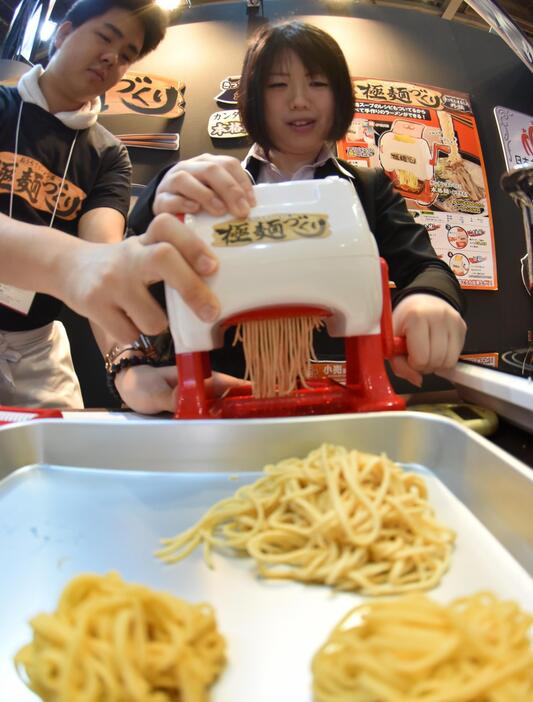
426, 140
491, 360
516, 133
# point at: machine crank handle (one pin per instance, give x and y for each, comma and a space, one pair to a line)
399, 346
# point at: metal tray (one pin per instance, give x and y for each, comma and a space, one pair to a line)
97, 496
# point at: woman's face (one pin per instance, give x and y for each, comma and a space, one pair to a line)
298, 107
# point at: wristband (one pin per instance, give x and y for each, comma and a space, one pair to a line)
142, 345
128, 362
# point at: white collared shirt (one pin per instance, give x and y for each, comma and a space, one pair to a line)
269, 173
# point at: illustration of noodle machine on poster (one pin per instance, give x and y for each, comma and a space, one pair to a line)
426, 140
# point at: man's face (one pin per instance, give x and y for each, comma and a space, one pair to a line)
92, 58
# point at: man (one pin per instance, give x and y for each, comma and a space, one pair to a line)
68, 175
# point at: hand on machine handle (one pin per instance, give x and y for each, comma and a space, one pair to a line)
429, 336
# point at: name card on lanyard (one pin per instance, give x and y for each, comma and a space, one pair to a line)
15, 298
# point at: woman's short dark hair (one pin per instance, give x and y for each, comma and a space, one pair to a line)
319, 53
153, 19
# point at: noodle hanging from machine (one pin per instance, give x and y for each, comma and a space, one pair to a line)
110, 640
277, 353
352, 520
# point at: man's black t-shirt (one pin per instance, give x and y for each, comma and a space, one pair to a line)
98, 176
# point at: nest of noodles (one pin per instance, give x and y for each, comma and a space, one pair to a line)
110, 641
411, 649
349, 519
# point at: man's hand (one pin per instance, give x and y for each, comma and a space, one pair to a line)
435, 334
149, 390
108, 283
214, 184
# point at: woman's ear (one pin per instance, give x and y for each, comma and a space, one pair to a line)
62, 33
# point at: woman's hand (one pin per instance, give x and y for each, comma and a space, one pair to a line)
214, 184
435, 334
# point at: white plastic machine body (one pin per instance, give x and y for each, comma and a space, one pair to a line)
340, 272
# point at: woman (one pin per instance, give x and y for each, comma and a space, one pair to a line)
296, 100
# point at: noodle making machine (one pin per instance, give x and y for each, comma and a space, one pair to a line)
305, 250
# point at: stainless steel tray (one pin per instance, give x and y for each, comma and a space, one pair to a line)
97, 496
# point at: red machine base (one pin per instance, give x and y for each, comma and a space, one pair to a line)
367, 388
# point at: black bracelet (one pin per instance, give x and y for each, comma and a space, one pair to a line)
128, 362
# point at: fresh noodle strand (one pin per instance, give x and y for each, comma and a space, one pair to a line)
277, 353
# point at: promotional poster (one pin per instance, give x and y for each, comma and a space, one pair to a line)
426, 140
516, 133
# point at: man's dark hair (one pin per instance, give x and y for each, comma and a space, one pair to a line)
319, 53
153, 19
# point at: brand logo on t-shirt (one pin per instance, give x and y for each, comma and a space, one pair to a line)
39, 186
